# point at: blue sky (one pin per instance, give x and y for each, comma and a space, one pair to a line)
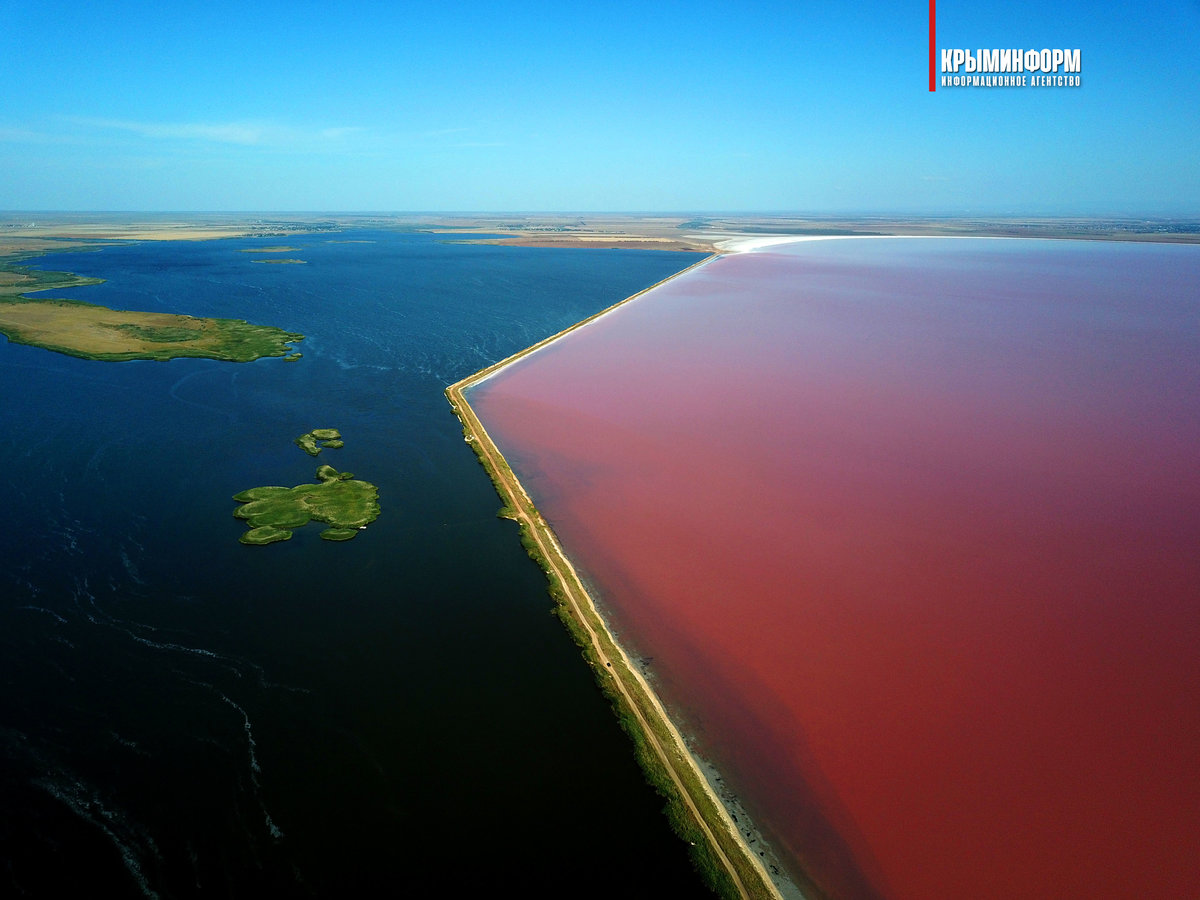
671, 107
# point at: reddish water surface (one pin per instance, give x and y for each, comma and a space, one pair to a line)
911, 529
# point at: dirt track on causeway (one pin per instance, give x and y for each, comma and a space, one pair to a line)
635, 693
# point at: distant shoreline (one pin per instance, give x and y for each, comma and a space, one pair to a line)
23, 233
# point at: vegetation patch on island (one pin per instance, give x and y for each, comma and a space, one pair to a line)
346, 505
343, 503
312, 441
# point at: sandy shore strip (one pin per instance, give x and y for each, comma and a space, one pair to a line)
662, 749
618, 676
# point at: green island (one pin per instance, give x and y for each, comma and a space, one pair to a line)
269, 250
346, 505
283, 262
328, 437
88, 331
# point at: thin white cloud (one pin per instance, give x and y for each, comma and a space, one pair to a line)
241, 133
223, 132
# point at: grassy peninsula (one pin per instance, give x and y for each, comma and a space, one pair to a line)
112, 335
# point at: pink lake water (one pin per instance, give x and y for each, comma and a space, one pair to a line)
911, 530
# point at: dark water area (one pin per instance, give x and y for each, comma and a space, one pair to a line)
181, 715
910, 529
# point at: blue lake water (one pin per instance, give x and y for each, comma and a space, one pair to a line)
181, 715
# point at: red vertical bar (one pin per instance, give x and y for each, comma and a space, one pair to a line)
932, 44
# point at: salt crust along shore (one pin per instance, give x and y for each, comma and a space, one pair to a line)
749, 245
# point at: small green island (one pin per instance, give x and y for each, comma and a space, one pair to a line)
346, 505
327, 437
281, 249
